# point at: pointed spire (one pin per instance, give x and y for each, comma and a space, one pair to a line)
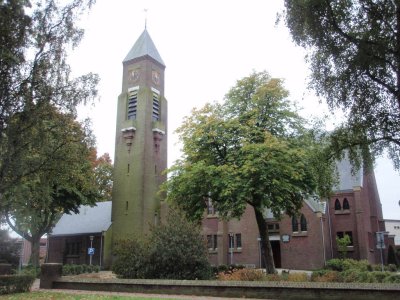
144, 46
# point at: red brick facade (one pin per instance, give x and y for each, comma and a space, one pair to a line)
307, 248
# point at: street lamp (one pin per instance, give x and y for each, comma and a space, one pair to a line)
231, 246
259, 250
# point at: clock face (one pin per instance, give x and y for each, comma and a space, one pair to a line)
133, 75
155, 76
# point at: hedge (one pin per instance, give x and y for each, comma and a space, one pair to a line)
15, 283
70, 269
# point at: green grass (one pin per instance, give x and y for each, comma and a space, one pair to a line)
65, 296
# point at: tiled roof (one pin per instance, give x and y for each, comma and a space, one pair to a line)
144, 46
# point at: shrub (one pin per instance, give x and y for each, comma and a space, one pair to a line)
340, 265
326, 276
272, 277
175, 250
297, 277
15, 283
31, 271
392, 278
242, 275
132, 258
70, 269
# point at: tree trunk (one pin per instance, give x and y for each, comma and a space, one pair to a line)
35, 244
266, 249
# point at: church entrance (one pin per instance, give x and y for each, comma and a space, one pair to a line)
276, 251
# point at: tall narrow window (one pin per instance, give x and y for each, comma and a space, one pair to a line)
303, 223
295, 224
238, 240
209, 242
346, 204
132, 103
156, 106
230, 241
337, 205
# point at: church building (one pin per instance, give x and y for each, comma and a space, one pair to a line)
140, 159
305, 241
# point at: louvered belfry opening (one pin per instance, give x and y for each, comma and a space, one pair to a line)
156, 106
132, 104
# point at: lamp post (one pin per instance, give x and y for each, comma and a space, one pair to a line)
259, 250
91, 246
231, 246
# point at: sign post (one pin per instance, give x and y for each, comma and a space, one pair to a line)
91, 250
380, 244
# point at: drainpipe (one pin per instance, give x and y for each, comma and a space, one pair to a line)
323, 239
101, 248
330, 226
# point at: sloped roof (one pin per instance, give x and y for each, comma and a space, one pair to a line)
347, 180
88, 220
144, 46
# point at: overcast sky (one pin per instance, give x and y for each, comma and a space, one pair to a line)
207, 46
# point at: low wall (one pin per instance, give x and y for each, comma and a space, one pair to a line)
237, 289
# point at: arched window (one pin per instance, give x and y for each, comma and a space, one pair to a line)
337, 205
346, 204
303, 223
295, 224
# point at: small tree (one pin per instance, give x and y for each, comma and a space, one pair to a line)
175, 250
342, 244
61, 185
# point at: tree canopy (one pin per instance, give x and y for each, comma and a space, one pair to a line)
354, 59
60, 185
34, 69
253, 149
44, 160
103, 171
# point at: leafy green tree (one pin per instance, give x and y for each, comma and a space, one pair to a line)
342, 243
34, 69
354, 58
253, 149
57, 186
103, 170
38, 100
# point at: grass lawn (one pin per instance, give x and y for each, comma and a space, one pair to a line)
58, 296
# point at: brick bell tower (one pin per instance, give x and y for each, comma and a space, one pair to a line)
140, 142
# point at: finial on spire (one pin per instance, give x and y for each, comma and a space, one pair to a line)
145, 18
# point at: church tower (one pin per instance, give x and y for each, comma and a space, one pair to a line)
140, 142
